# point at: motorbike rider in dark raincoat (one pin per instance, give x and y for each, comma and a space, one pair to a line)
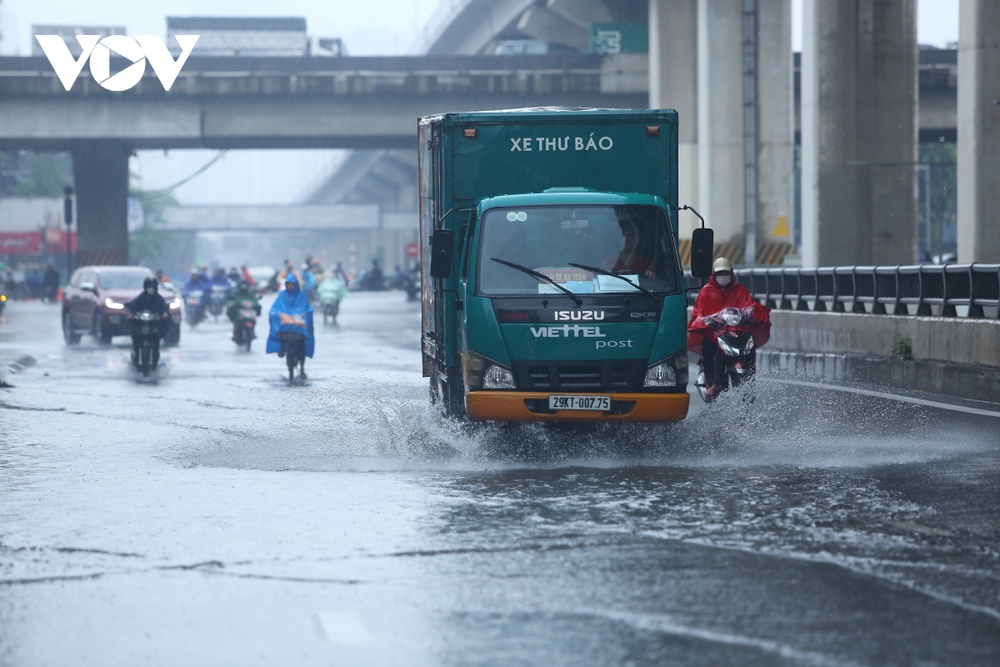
150, 300
242, 293
722, 291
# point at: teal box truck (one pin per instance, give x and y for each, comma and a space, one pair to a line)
551, 285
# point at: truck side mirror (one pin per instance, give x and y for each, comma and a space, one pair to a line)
442, 247
702, 242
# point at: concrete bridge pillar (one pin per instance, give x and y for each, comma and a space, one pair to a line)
979, 131
859, 132
721, 127
720, 116
100, 172
673, 84
776, 119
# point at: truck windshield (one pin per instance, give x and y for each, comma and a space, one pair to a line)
630, 241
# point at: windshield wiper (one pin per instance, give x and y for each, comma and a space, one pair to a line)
605, 272
539, 276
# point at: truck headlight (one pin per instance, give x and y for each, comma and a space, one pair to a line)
113, 305
671, 372
483, 373
498, 377
661, 375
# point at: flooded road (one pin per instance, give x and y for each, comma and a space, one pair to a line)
220, 517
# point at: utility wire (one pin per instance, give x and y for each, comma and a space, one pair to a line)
156, 194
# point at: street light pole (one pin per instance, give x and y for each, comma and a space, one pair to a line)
68, 219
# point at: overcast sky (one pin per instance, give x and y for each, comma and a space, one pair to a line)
368, 27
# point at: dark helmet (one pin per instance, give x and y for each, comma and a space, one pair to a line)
150, 282
243, 284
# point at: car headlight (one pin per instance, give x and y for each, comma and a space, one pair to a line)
113, 305
498, 377
176, 303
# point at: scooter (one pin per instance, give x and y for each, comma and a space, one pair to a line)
295, 353
194, 306
146, 326
411, 284
735, 351
331, 306
217, 299
243, 332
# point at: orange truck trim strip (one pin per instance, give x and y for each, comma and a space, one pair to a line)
509, 406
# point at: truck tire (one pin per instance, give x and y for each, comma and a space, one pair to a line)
448, 391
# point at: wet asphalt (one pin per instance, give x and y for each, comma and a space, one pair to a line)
218, 516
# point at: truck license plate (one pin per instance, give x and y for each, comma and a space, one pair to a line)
579, 403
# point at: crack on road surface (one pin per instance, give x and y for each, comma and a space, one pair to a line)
26, 408
69, 550
862, 566
299, 580
668, 625
496, 550
194, 566
75, 550
52, 579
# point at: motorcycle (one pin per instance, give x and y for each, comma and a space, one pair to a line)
217, 300
243, 333
194, 306
295, 353
411, 284
735, 354
146, 326
331, 306
331, 291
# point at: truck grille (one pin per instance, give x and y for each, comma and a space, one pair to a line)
618, 375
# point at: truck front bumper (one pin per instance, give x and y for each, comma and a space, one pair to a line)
521, 406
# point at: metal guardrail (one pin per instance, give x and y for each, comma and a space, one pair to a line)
926, 289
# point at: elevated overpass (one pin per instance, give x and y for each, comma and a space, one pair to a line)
370, 103
284, 102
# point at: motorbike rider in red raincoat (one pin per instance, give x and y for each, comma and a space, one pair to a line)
722, 291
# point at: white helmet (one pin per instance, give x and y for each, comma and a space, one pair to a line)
722, 264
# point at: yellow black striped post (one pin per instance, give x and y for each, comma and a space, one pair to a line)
768, 254
101, 257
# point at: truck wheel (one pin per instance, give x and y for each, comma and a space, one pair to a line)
451, 395
435, 392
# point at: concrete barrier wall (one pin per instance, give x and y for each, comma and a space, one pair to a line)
951, 340
976, 383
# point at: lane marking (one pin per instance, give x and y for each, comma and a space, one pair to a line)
343, 627
894, 397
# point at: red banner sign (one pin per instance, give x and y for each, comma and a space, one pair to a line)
36, 243
55, 241
20, 243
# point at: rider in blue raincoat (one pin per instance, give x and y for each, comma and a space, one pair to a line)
291, 312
